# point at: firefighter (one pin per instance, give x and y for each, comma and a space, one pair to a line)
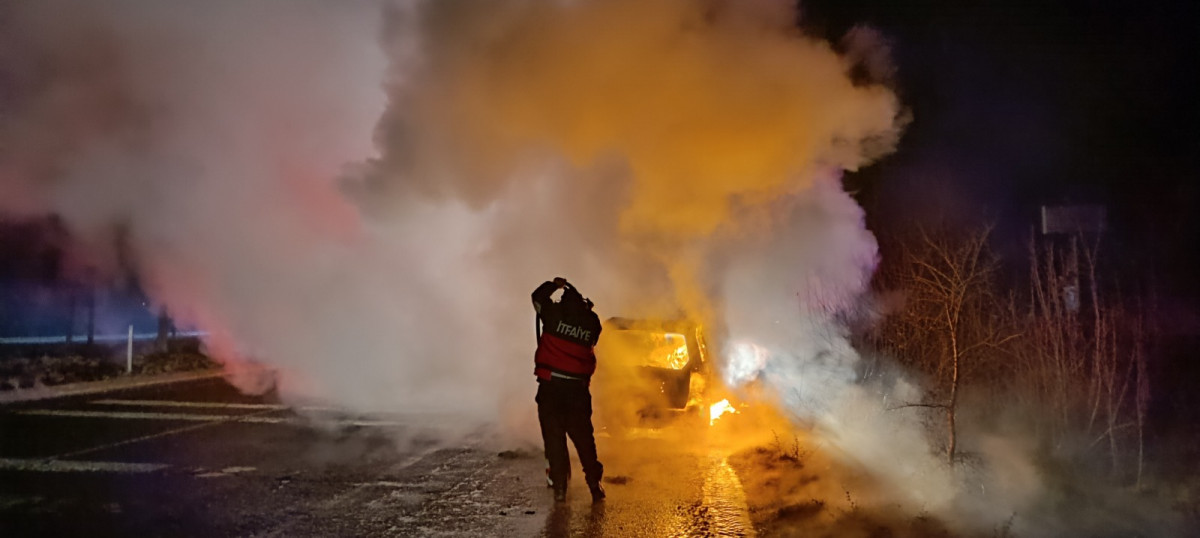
563, 364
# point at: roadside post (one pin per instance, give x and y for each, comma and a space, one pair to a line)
129, 352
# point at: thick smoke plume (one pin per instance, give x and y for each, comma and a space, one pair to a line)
362, 196
610, 142
668, 117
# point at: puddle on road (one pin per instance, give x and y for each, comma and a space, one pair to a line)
725, 505
722, 509
672, 492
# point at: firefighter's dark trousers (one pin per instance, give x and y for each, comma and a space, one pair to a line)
565, 409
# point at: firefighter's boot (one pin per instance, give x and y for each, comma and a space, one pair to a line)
597, 491
560, 493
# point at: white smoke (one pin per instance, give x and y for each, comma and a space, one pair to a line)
362, 196
787, 330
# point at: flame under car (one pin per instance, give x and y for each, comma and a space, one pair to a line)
651, 368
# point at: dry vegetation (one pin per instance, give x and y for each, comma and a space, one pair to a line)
1060, 354
50, 366
787, 496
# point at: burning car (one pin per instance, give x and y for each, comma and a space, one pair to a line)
652, 368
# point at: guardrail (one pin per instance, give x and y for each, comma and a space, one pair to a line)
80, 338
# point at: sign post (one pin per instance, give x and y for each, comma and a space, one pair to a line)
129, 352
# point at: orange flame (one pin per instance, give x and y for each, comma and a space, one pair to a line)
718, 409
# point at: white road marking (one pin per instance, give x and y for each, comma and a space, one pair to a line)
370, 423
173, 431
132, 415
381, 483
109, 385
136, 415
172, 403
137, 439
219, 405
228, 471
72, 466
238, 469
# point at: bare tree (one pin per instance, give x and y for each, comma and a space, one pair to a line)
1083, 352
1088, 349
950, 319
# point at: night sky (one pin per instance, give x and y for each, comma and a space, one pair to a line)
1021, 104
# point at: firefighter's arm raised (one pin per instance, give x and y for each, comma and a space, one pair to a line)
541, 295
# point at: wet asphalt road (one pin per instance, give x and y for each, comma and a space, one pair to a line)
199, 459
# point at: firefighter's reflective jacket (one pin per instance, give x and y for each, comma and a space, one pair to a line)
570, 331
